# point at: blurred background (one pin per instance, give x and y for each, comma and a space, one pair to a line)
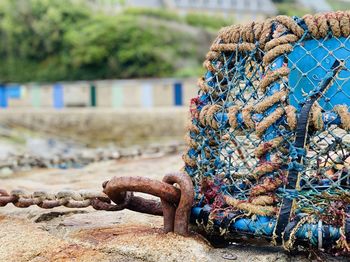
82, 80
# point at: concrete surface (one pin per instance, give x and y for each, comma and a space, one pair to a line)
63, 234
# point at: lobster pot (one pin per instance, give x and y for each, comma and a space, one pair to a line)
268, 143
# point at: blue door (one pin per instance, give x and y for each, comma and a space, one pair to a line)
3, 96
58, 96
178, 101
13, 92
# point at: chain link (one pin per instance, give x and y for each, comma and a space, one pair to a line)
175, 204
67, 198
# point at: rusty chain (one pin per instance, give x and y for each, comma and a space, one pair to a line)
78, 199
175, 202
67, 198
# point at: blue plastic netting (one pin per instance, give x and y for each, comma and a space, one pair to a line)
268, 143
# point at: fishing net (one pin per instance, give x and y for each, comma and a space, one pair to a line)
268, 141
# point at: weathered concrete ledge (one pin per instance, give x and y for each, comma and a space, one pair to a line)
62, 234
97, 126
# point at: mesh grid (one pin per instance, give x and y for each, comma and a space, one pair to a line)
243, 148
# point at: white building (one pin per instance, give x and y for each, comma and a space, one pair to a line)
241, 10
316, 5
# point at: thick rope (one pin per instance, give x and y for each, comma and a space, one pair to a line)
291, 117
265, 168
276, 52
232, 116
262, 210
268, 185
243, 38
266, 147
344, 114
264, 41
203, 85
272, 77
316, 116
285, 39
247, 118
269, 120
210, 116
269, 101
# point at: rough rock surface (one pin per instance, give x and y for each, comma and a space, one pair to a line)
62, 234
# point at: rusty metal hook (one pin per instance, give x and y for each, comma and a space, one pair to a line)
176, 219
175, 203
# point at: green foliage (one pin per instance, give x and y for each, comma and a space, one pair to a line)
31, 35
119, 46
155, 13
193, 19
206, 21
50, 40
290, 8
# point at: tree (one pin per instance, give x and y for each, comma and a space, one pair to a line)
52, 40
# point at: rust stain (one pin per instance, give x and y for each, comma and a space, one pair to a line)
102, 235
73, 251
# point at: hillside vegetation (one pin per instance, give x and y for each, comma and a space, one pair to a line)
52, 40
290, 7
45, 40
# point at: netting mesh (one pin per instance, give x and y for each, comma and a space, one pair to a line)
269, 134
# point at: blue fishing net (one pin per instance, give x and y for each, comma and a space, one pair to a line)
268, 141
